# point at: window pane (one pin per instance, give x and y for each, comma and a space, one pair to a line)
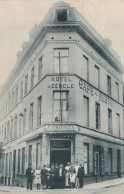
56, 105
64, 116
56, 115
64, 69
56, 95
56, 61
56, 69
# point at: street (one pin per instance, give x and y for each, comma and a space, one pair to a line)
118, 189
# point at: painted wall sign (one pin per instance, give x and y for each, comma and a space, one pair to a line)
70, 127
93, 92
64, 82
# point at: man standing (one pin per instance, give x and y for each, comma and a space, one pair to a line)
29, 176
81, 175
61, 177
76, 177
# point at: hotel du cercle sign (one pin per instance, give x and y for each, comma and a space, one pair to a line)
63, 82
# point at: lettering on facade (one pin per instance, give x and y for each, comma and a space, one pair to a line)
63, 82
93, 92
67, 127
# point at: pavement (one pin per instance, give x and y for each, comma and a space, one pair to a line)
93, 186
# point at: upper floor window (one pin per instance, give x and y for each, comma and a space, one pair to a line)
61, 60
97, 115
32, 77
39, 111
31, 115
108, 85
85, 68
16, 97
60, 106
97, 77
86, 111
24, 120
21, 90
117, 91
26, 84
118, 124
40, 69
109, 121
61, 15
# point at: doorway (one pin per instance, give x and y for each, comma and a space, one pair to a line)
118, 164
60, 151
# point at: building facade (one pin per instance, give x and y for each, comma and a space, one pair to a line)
63, 101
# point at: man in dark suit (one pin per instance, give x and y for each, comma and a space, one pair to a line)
29, 176
80, 175
61, 177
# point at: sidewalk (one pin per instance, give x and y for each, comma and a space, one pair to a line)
93, 186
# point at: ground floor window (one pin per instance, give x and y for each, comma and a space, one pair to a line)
98, 154
86, 158
30, 155
38, 155
23, 160
110, 160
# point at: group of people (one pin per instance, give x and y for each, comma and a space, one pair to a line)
56, 177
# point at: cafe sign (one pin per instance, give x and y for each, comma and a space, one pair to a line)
93, 92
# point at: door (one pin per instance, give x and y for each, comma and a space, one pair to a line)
118, 164
14, 166
60, 152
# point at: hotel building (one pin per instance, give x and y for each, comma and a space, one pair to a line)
63, 101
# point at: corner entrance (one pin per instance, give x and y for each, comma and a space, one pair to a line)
60, 151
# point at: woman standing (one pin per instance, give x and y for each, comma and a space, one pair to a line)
72, 175
37, 179
67, 182
44, 177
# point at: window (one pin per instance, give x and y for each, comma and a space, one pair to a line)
117, 91
13, 99
98, 160
97, 106
86, 158
86, 111
32, 77
37, 155
30, 155
60, 106
24, 120
109, 160
97, 77
39, 111
21, 91
8, 131
40, 69
85, 68
20, 124
12, 132
61, 15
118, 124
109, 121
26, 84
23, 160
109, 85
16, 98
19, 157
6, 170
10, 162
61, 60
15, 127
31, 116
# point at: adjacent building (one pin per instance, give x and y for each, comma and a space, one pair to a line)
63, 101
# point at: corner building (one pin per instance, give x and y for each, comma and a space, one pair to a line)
63, 101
